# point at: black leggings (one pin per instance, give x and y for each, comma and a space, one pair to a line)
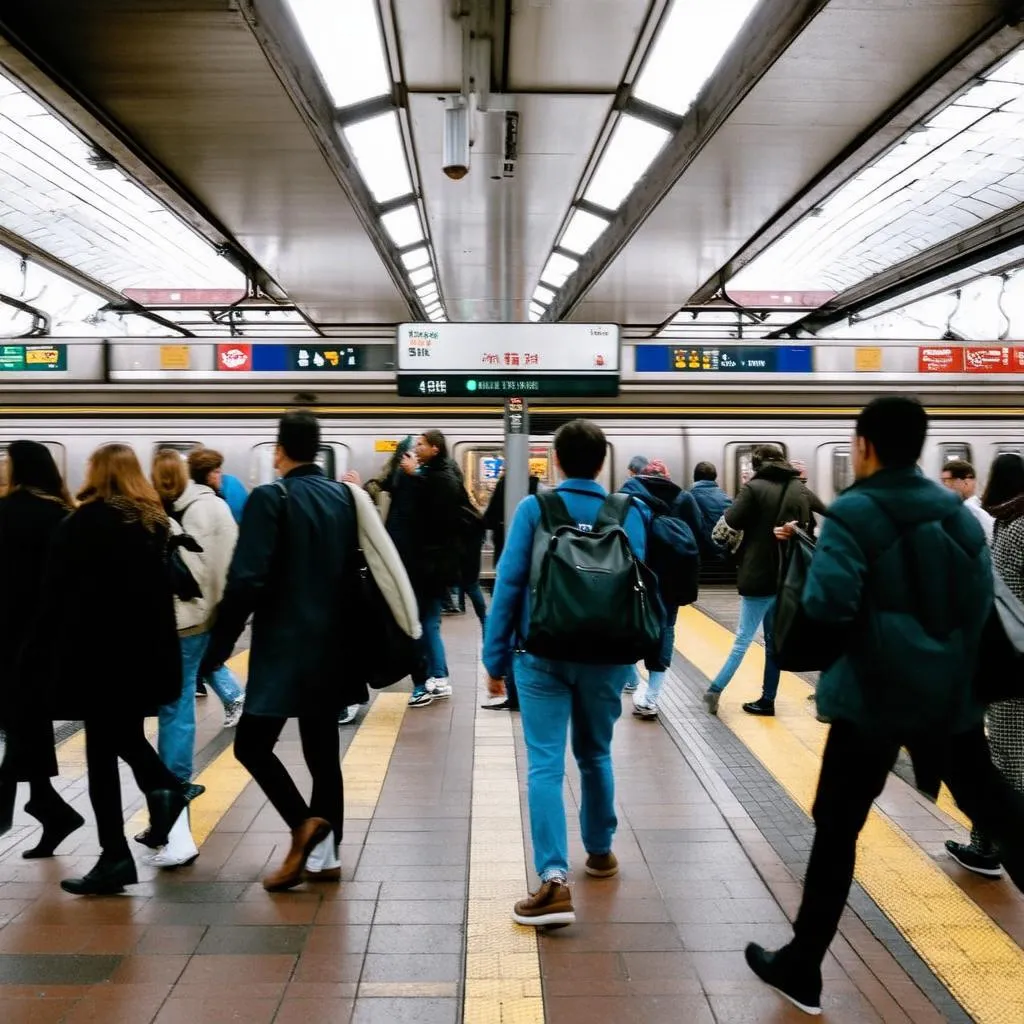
105, 741
254, 748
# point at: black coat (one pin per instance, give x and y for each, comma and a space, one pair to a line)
27, 526
106, 635
295, 570
494, 514
439, 496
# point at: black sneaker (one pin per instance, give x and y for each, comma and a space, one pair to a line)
970, 857
763, 707
799, 983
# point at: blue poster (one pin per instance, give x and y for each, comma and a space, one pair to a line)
724, 359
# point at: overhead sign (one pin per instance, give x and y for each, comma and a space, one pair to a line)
285, 358
970, 359
724, 359
464, 385
940, 359
27, 358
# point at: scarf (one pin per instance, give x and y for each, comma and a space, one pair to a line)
1009, 510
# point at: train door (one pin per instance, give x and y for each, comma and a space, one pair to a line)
332, 458
833, 471
739, 466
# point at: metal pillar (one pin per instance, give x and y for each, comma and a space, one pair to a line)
517, 455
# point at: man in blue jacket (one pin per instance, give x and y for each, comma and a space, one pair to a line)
902, 578
555, 696
712, 502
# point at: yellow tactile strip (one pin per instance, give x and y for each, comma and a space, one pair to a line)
974, 958
366, 761
502, 962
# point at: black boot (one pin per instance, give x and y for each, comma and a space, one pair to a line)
164, 807
59, 819
796, 980
763, 707
110, 876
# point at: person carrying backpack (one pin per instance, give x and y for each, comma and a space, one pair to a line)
673, 556
567, 589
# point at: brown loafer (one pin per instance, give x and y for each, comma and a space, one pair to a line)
324, 875
304, 839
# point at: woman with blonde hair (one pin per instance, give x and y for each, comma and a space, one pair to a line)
107, 636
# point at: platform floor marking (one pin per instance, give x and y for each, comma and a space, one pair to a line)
503, 980
973, 957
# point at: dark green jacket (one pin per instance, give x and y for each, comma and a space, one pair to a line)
904, 568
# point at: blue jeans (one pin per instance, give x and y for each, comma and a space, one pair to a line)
176, 739
556, 697
753, 611
224, 684
431, 643
476, 599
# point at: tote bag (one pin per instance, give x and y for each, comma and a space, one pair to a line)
1000, 672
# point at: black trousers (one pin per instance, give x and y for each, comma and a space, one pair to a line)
106, 740
854, 770
254, 748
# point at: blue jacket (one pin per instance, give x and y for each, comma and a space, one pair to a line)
509, 614
712, 502
903, 569
233, 491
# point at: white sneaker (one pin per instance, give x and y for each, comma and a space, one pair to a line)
440, 687
323, 863
181, 848
642, 709
233, 712
348, 714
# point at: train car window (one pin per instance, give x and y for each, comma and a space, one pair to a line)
949, 452
842, 469
1013, 449
739, 462
262, 466
178, 446
483, 464
56, 450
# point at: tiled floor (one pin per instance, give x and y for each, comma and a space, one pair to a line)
661, 942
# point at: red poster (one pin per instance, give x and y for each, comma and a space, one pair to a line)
987, 359
940, 359
1017, 359
234, 357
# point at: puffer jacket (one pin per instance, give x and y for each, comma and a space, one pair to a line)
903, 568
206, 517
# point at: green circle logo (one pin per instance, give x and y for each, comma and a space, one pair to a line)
471, 385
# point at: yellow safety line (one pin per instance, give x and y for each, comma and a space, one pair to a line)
975, 959
366, 761
502, 961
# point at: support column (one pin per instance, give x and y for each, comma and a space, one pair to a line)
517, 456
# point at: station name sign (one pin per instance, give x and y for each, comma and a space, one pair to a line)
498, 360
724, 359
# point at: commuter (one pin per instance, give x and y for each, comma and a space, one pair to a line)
29, 517
771, 497
658, 493
294, 570
902, 578
637, 465
233, 491
205, 469
113, 657
473, 534
436, 552
557, 696
959, 477
814, 503
712, 502
1004, 721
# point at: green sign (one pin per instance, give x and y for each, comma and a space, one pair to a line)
467, 385
28, 358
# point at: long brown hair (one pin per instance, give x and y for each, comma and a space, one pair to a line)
32, 468
115, 476
170, 475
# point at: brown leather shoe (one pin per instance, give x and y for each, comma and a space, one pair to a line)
324, 875
304, 838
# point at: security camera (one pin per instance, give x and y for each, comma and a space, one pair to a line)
455, 149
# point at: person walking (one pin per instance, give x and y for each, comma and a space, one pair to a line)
295, 570
959, 476
712, 502
37, 503
901, 578
108, 588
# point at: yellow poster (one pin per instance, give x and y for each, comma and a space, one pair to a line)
174, 357
384, 444
867, 360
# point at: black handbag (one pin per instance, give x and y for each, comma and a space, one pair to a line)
802, 644
1000, 672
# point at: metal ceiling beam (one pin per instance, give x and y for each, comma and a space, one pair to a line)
280, 41
23, 64
991, 44
987, 241
767, 34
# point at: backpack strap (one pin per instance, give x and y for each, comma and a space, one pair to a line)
553, 512
613, 511
782, 501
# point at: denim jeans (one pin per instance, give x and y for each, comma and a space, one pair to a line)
176, 739
224, 684
753, 611
431, 643
476, 599
556, 698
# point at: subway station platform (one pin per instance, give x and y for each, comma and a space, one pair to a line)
714, 834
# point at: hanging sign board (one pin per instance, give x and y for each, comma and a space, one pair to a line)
940, 359
724, 359
22, 358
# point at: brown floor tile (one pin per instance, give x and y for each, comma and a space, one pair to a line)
766, 1008
667, 1009
419, 912
328, 968
337, 940
34, 1011
592, 938
723, 937
416, 938
54, 969
305, 1011
592, 907
217, 1010
424, 890
122, 1004
406, 1011
253, 940
149, 970
346, 912
241, 970
320, 990
275, 912
173, 939
404, 967
730, 911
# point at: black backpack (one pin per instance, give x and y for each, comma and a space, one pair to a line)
592, 599
672, 553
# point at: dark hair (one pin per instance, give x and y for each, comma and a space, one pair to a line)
705, 471
1005, 480
763, 453
32, 467
202, 462
959, 469
896, 427
298, 434
436, 440
581, 448
638, 464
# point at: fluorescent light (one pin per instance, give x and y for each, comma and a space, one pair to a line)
433, 308
421, 276
416, 258
438, 317
345, 43
426, 290
630, 151
543, 296
430, 297
403, 225
691, 43
379, 152
582, 231
557, 270
535, 312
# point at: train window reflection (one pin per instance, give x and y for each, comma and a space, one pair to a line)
184, 447
483, 464
1013, 449
842, 470
55, 448
949, 452
742, 464
262, 467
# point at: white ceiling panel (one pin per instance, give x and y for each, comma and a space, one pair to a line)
431, 43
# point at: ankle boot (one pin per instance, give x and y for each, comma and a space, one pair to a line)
110, 875
59, 819
305, 839
164, 807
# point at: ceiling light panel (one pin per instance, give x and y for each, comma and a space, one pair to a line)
421, 276
557, 270
416, 258
376, 144
633, 145
344, 40
693, 39
403, 225
543, 296
582, 231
